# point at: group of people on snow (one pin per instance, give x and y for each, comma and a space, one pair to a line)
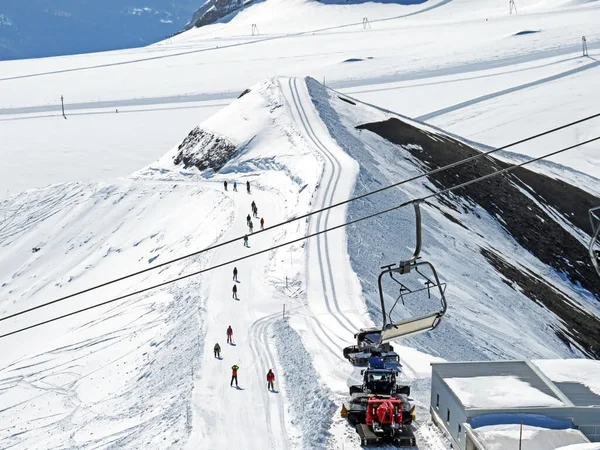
235, 186
229, 332
235, 367
249, 222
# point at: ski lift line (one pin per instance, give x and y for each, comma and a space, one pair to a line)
183, 277
360, 219
294, 219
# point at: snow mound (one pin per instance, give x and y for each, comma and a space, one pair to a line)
311, 401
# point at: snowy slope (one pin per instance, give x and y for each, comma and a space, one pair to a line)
111, 375
295, 143
511, 327
144, 373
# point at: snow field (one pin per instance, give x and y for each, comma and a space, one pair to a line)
116, 375
91, 145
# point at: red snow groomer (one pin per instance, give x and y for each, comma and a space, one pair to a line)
384, 424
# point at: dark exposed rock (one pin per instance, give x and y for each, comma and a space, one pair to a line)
246, 91
204, 150
214, 10
583, 328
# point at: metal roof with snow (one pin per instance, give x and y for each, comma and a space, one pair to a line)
499, 384
577, 379
534, 438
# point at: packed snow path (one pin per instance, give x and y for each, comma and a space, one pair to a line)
334, 310
254, 412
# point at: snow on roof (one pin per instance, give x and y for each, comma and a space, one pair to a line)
499, 392
582, 371
591, 446
499, 437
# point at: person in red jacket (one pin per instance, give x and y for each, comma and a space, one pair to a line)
270, 380
262, 223
229, 335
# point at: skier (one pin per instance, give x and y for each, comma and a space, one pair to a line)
262, 223
217, 350
235, 274
225, 184
235, 186
270, 380
234, 289
248, 186
251, 226
246, 241
234, 370
229, 335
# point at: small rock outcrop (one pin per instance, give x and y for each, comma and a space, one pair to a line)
204, 150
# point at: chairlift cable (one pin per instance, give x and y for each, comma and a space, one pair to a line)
360, 219
294, 219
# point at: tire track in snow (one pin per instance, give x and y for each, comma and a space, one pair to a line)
259, 343
322, 220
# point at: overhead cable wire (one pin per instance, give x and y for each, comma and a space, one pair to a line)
360, 219
294, 219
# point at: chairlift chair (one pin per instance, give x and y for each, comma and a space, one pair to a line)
376, 340
594, 252
415, 325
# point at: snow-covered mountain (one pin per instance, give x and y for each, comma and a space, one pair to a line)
38, 28
140, 372
223, 11
300, 146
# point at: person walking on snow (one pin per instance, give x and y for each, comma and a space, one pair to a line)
256, 212
235, 186
262, 223
229, 335
253, 205
235, 274
217, 350
248, 186
225, 184
251, 226
270, 380
234, 289
234, 370
248, 219
246, 241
